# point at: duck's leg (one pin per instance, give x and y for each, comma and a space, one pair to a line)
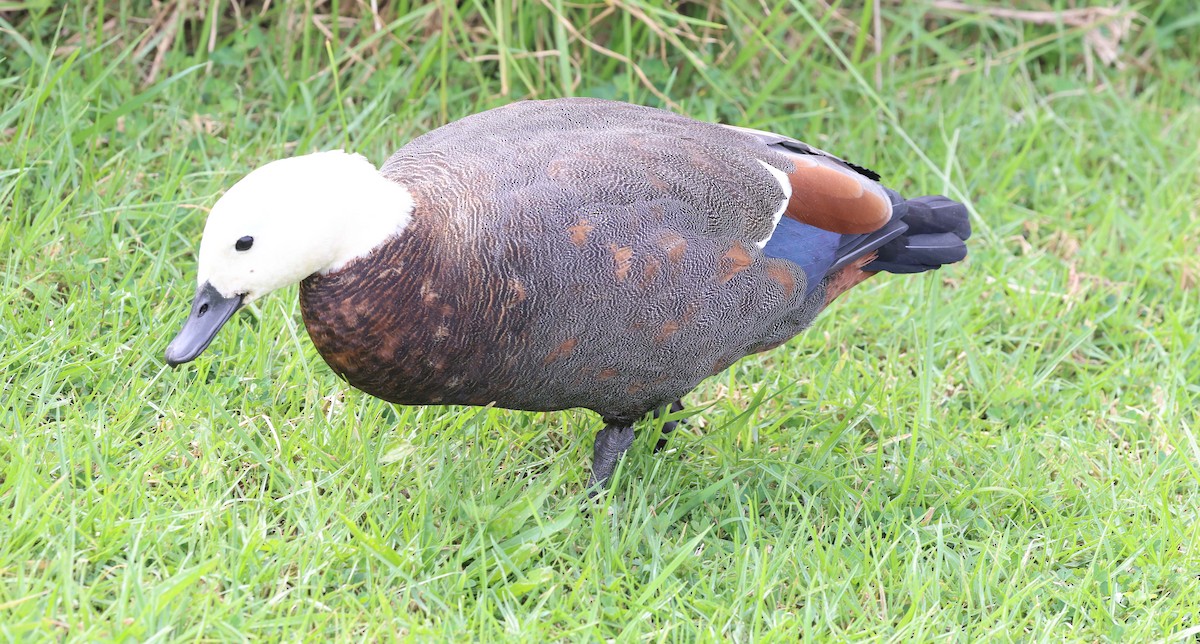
668, 426
611, 443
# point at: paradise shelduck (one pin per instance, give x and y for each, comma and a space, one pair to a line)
555, 254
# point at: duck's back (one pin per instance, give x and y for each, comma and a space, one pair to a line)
572, 253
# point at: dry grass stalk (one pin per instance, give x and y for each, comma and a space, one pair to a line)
1105, 28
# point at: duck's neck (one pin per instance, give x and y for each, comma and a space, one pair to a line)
376, 210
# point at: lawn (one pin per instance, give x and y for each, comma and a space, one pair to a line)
1004, 448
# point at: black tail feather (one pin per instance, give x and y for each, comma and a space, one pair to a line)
937, 229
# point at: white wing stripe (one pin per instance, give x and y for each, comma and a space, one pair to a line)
786, 187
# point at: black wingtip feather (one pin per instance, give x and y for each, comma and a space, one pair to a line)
804, 148
866, 172
856, 246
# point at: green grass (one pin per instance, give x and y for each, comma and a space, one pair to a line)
1006, 448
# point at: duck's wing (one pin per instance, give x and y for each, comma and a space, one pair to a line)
736, 183
620, 168
825, 191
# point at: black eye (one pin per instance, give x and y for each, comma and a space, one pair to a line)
244, 243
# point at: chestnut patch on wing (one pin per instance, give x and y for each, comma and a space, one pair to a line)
623, 258
833, 199
606, 374
579, 232
561, 351
734, 261
668, 329
784, 277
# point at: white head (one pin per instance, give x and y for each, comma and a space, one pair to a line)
294, 217
281, 223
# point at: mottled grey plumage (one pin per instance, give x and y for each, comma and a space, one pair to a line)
522, 163
566, 254
572, 253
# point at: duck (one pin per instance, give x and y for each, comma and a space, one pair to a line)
560, 254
